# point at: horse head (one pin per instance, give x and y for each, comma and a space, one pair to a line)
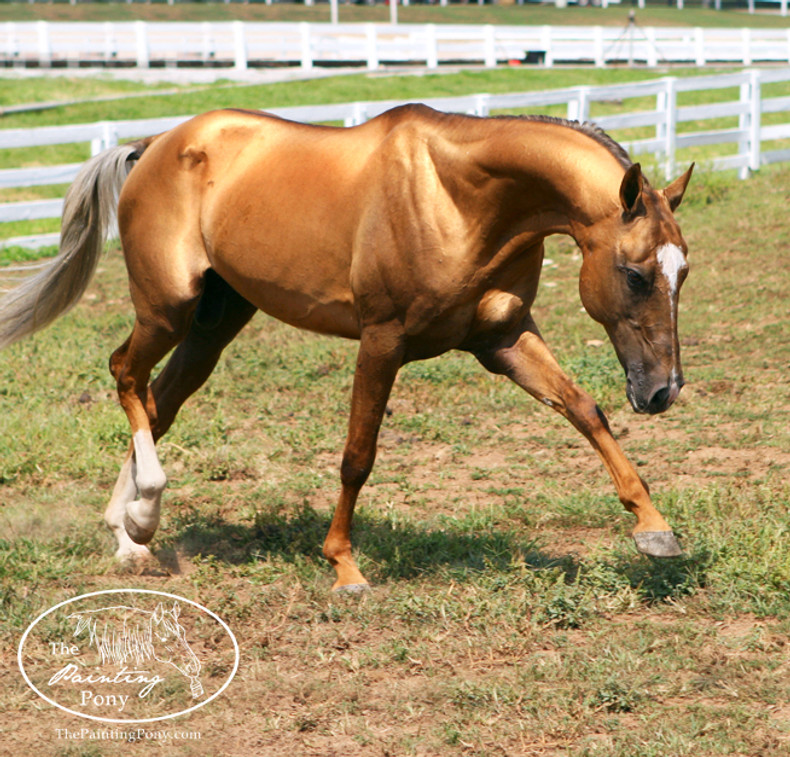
170, 641
634, 265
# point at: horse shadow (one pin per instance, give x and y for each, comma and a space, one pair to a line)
401, 550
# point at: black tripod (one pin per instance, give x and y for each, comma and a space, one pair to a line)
630, 33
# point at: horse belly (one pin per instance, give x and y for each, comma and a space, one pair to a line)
303, 281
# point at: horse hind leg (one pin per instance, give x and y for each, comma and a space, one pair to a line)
141, 475
129, 552
220, 314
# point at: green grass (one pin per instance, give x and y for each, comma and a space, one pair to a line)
510, 614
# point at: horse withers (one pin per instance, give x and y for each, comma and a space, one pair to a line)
416, 233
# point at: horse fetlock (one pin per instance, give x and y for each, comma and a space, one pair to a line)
137, 533
336, 552
141, 520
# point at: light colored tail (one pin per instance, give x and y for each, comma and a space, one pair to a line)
88, 215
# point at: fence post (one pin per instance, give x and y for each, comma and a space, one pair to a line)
358, 116
141, 43
746, 42
207, 53
668, 104
431, 48
110, 46
44, 47
579, 106
481, 105
750, 123
239, 46
307, 57
652, 50
545, 41
755, 124
743, 126
699, 46
489, 46
108, 138
598, 47
13, 42
371, 50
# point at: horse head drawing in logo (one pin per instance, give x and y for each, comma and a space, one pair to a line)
121, 634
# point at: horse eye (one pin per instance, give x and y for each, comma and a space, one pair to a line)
636, 282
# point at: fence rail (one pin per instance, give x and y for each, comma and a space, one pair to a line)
743, 143
240, 45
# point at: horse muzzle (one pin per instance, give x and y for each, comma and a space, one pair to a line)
652, 397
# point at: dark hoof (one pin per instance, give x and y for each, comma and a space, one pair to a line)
352, 589
137, 534
658, 544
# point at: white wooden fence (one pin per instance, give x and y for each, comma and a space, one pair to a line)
239, 45
738, 147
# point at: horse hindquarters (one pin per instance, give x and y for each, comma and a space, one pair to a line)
166, 262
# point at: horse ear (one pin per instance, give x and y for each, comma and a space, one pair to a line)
176, 610
631, 192
675, 191
159, 613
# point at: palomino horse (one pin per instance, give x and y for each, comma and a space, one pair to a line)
416, 233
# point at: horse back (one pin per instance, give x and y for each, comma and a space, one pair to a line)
312, 224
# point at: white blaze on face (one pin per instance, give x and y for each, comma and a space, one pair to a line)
672, 261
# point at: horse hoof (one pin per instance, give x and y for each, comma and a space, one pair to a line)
136, 533
351, 589
657, 544
136, 559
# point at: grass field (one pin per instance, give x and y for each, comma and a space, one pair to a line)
511, 614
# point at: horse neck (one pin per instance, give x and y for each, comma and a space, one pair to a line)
565, 180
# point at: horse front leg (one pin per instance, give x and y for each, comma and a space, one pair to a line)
379, 358
526, 360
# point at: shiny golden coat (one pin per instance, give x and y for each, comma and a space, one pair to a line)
416, 233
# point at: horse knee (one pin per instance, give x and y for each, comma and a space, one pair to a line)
354, 473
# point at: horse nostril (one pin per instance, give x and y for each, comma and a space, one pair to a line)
659, 401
